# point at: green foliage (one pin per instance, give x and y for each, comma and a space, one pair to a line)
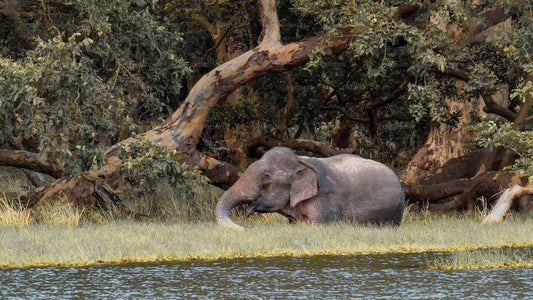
490, 134
56, 98
146, 165
483, 81
91, 75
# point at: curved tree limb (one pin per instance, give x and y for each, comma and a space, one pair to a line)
30, 161
491, 107
390, 96
492, 17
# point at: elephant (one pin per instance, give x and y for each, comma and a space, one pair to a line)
344, 187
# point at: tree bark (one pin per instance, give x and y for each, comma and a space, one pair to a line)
453, 178
30, 161
443, 143
484, 187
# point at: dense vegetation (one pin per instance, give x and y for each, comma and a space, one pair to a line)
109, 98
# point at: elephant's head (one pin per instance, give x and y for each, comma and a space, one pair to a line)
278, 179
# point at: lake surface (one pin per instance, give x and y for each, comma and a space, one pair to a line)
386, 276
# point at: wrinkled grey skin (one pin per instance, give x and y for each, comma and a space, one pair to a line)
316, 190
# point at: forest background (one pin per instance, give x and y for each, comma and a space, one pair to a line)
112, 99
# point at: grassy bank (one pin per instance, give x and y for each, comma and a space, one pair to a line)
128, 240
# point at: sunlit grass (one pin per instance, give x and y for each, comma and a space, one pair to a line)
60, 212
14, 213
129, 240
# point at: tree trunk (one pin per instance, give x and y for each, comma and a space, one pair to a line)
443, 143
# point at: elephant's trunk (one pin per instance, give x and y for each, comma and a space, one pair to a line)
243, 191
224, 206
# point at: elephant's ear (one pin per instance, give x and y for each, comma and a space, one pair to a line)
305, 184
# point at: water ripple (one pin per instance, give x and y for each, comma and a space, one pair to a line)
389, 276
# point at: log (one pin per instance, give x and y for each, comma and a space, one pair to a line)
503, 204
485, 185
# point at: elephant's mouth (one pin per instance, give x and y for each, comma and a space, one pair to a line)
260, 205
251, 208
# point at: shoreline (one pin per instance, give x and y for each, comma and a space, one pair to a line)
155, 258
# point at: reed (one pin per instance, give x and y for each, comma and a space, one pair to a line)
59, 212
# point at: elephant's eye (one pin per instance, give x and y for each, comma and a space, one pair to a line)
265, 176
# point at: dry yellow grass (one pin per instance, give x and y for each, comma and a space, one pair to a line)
14, 213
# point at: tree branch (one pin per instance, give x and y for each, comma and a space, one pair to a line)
208, 26
351, 117
391, 96
494, 108
286, 111
31, 161
462, 75
492, 17
322, 149
269, 20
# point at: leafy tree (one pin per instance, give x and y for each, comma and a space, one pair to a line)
385, 70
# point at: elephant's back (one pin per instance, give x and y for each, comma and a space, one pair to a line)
371, 189
361, 168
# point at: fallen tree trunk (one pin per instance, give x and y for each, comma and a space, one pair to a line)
483, 188
474, 176
432, 193
453, 178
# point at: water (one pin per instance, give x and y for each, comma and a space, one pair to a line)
387, 276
